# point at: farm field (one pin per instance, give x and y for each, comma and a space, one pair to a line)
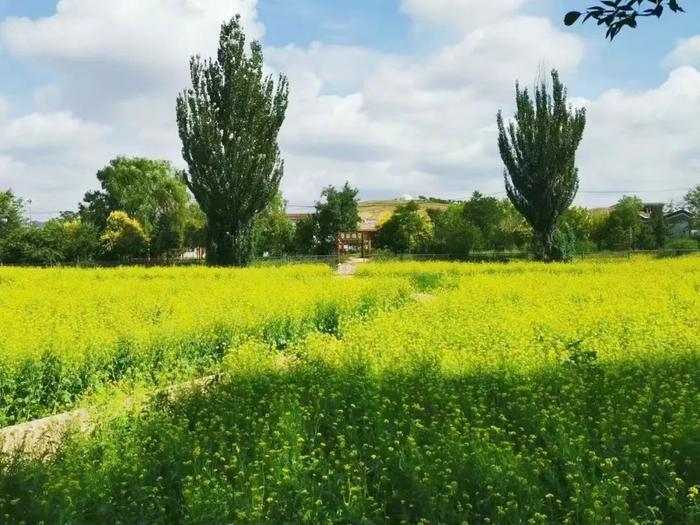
412, 393
69, 332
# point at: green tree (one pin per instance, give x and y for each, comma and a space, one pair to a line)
124, 237
452, 233
195, 227
539, 153
692, 201
228, 122
80, 240
11, 209
620, 230
615, 15
409, 230
486, 214
306, 236
580, 221
653, 234
273, 232
30, 245
336, 212
151, 191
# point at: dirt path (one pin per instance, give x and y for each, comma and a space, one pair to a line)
347, 269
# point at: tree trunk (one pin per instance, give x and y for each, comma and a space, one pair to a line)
219, 246
229, 246
544, 245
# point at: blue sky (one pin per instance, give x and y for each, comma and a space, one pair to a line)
396, 96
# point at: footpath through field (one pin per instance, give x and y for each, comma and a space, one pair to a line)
348, 268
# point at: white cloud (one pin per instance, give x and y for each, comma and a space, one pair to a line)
388, 123
644, 141
459, 14
48, 131
686, 53
153, 37
427, 123
121, 65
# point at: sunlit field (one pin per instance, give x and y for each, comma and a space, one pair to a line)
66, 332
409, 393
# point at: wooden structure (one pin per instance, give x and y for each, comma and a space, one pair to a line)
357, 241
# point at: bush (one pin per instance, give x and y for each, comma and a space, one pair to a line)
564, 247
585, 247
683, 244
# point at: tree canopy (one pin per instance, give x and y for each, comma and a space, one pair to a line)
11, 208
618, 14
539, 152
228, 122
124, 237
336, 212
150, 191
692, 201
409, 230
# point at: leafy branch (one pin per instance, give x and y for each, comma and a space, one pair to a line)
617, 14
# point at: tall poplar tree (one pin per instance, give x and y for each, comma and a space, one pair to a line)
539, 153
228, 122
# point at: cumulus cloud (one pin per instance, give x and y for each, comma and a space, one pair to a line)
44, 132
425, 123
686, 53
121, 65
645, 140
388, 123
459, 14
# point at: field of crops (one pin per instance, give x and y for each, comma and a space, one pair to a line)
69, 332
409, 393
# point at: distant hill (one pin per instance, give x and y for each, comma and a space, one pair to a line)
372, 212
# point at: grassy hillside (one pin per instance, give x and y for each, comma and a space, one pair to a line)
376, 210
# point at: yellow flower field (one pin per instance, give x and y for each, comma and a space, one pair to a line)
410, 393
523, 315
83, 328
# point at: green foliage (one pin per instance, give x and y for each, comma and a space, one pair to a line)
580, 221
306, 236
336, 212
228, 122
273, 232
452, 234
195, 231
123, 238
625, 229
618, 14
409, 230
80, 240
539, 153
486, 214
692, 201
623, 226
31, 245
11, 208
682, 244
564, 243
571, 444
59, 240
654, 231
150, 191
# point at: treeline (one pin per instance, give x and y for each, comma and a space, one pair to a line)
143, 210
490, 224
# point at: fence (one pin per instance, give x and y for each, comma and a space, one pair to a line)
485, 256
